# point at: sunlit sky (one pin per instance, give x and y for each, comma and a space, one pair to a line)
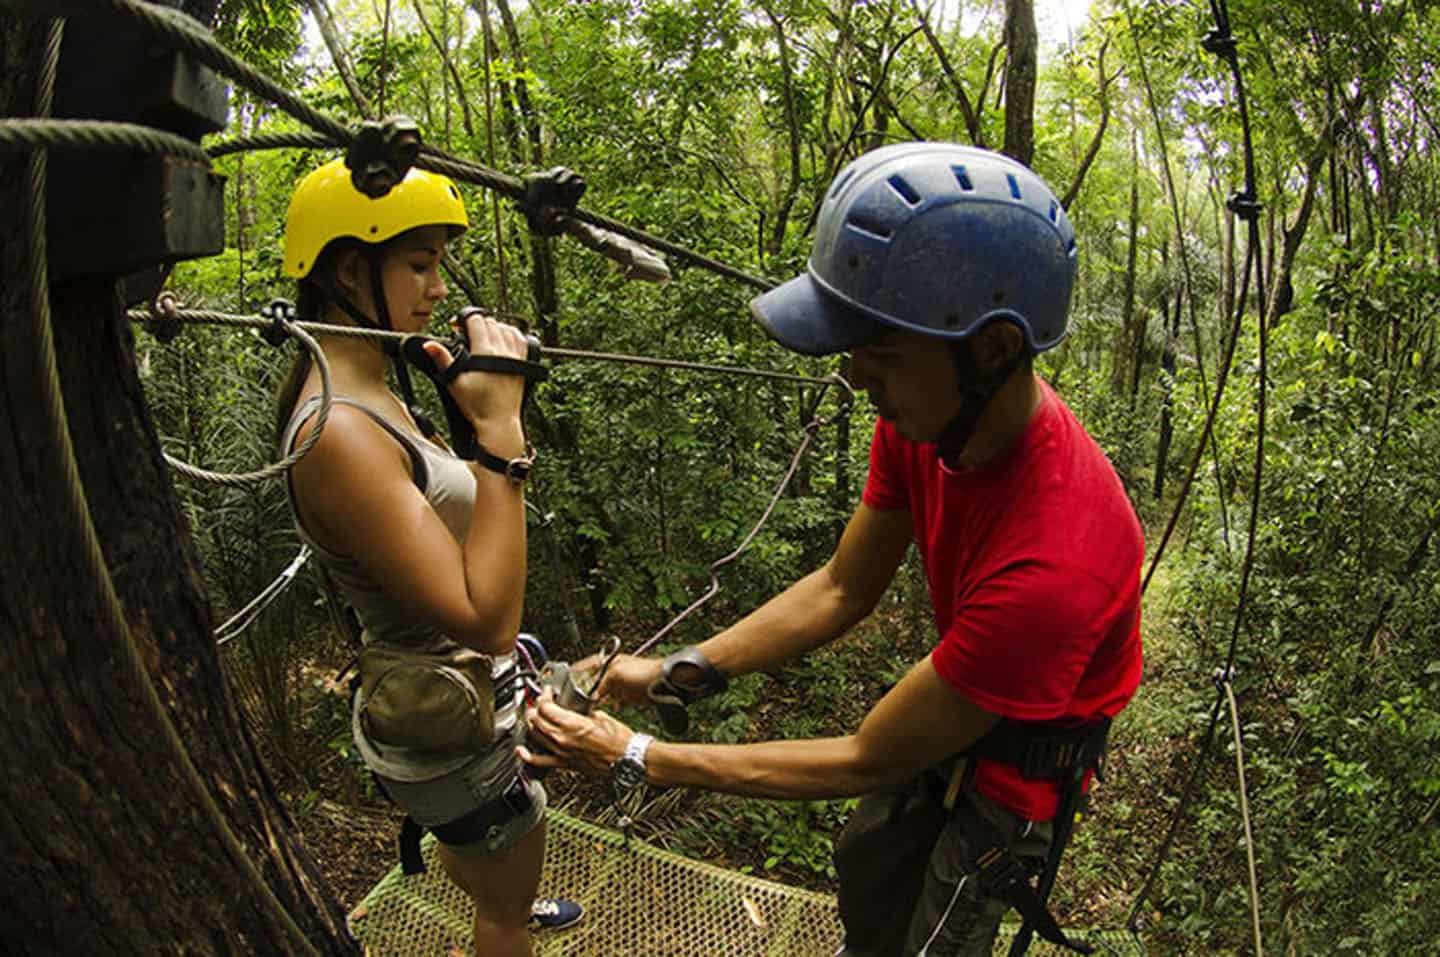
1056, 20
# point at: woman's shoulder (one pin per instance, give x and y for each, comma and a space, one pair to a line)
353, 440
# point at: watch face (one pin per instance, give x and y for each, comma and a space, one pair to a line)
629, 773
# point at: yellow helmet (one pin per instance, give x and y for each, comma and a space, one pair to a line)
327, 206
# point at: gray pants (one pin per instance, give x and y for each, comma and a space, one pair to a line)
908, 885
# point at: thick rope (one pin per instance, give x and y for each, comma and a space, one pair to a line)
269, 141
31, 133
75, 510
180, 31
278, 468
1224, 679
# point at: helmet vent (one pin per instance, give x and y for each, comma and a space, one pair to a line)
963, 178
906, 191
1014, 185
869, 227
1054, 210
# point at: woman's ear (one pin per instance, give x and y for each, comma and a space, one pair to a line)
352, 277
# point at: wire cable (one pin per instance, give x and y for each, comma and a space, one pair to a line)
242, 619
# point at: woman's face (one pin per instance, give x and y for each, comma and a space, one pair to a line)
410, 271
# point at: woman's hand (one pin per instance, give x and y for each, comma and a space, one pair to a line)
588, 744
490, 400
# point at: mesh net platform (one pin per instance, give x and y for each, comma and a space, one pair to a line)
639, 901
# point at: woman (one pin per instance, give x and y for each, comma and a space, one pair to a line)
428, 549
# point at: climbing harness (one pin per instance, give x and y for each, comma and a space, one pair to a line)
446, 805
1045, 751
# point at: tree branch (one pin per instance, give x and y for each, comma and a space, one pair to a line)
326, 21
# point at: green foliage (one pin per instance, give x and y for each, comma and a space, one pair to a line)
682, 118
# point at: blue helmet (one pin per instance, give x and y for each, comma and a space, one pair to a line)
934, 238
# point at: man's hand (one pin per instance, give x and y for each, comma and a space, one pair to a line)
626, 681
588, 744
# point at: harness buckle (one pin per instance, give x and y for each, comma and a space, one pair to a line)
999, 870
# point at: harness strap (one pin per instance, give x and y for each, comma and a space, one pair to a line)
1060, 838
482, 824
462, 433
1003, 876
1041, 751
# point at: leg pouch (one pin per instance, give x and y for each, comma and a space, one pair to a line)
439, 703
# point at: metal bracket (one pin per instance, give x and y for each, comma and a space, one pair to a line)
549, 199
381, 154
122, 213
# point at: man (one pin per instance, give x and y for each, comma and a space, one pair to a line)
942, 270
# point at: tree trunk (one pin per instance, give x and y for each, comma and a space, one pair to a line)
326, 21
785, 199
121, 741
1167, 402
1020, 73
1127, 301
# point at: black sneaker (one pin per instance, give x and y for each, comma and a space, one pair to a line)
554, 913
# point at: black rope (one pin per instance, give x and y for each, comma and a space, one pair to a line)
1245, 205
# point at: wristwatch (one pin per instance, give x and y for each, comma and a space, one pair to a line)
629, 770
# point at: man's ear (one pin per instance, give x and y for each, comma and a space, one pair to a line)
997, 345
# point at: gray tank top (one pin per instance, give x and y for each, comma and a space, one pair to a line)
449, 486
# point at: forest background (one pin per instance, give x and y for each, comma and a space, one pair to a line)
717, 124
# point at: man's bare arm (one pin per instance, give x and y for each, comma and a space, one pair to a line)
918, 724
824, 604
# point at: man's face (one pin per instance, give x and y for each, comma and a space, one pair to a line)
912, 381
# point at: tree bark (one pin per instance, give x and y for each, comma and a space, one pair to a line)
108, 824
1020, 72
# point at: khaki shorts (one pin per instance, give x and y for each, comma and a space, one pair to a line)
484, 779
908, 882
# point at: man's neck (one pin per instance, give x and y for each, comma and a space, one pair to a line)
1005, 419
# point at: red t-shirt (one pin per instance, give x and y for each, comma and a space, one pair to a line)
1033, 561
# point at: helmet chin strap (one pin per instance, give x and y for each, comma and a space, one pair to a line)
977, 388
388, 346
